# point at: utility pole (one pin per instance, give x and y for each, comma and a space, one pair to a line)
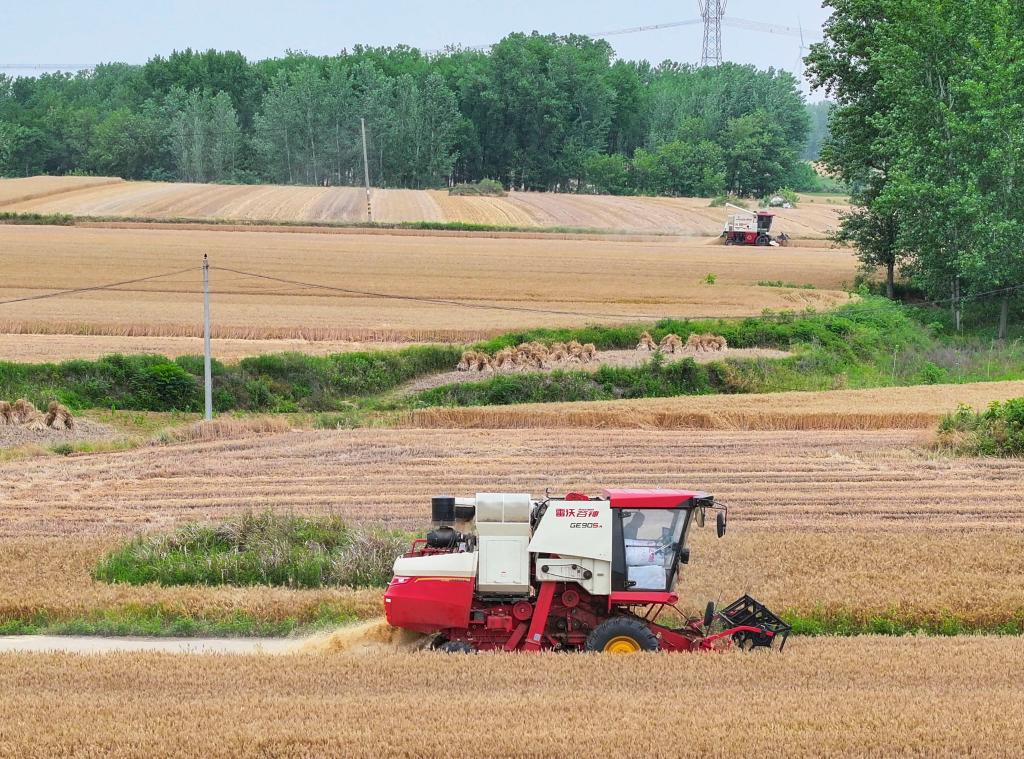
366, 172
712, 12
957, 308
207, 370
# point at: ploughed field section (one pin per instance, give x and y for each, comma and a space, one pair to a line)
850, 697
440, 288
106, 197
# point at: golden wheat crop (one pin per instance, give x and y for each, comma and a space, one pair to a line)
100, 196
50, 578
916, 407
611, 281
827, 697
857, 573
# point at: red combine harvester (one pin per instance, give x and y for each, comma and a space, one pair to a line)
502, 571
751, 228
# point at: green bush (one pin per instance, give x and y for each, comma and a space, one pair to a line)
652, 380
277, 382
263, 549
483, 187
996, 431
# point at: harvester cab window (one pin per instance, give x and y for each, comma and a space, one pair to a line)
652, 539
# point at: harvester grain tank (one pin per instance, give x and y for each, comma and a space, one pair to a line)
502, 571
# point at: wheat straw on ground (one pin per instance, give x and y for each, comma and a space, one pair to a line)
917, 407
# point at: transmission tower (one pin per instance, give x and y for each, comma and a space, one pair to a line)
712, 11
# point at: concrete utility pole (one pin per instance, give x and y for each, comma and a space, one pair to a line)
366, 172
712, 12
207, 371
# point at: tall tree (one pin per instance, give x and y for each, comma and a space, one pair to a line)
846, 66
204, 135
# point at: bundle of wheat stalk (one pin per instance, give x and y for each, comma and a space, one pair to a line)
474, 361
671, 344
706, 343
646, 342
22, 413
58, 417
531, 355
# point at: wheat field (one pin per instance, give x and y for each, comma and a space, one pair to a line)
860, 574
862, 523
813, 480
521, 282
36, 348
881, 480
827, 697
914, 407
101, 196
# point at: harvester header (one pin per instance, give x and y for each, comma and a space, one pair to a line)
505, 571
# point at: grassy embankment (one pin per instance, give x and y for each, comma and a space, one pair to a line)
872, 343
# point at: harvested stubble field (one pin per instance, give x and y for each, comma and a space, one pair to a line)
13, 191
809, 480
53, 348
581, 281
914, 407
111, 197
860, 524
840, 697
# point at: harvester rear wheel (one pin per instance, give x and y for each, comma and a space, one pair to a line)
622, 635
456, 647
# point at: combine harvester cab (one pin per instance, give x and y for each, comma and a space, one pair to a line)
504, 572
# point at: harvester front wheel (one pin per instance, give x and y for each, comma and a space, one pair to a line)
622, 635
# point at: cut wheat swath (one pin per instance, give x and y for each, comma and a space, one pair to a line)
917, 407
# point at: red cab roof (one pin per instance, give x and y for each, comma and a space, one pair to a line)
651, 499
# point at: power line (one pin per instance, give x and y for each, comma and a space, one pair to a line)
110, 286
433, 301
484, 306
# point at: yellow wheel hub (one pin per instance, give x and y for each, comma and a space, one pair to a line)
622, 644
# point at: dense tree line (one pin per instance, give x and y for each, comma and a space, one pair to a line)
535, 112
929, 129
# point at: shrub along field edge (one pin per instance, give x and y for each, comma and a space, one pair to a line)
867, 343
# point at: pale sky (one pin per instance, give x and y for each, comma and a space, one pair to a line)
77, 32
